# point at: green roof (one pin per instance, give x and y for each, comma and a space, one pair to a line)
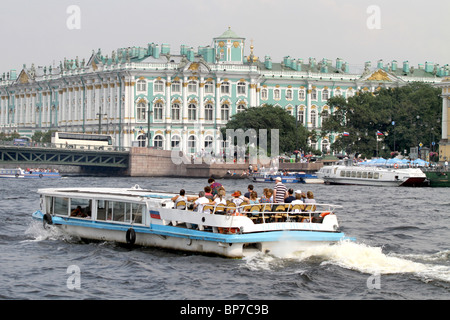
229, 34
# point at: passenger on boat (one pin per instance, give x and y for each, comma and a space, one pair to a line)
310, 197
200, 202
254, 198
214, 186
182, 197
298, 198
220, 198
250, 189
238, 198
208, 193
267, 196
290, 196
280, 191
77, 212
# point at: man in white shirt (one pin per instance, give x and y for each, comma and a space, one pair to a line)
200, 202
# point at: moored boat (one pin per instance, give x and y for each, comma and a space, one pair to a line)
147, 218
28, 174
438, 178
286, 177
372, 175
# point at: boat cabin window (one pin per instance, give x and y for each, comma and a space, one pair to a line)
80, 208
358, 174
342, 173
347, 173
376, 175
353, 174
60, 206
364, 175
370, 175
119, 211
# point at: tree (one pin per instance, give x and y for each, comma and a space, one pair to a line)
406, 116
292, 136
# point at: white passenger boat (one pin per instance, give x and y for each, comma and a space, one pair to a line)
371, 175
27, 174
142, 217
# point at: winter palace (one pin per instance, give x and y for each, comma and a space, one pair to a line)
183, 99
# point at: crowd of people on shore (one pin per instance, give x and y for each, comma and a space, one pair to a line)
214, 193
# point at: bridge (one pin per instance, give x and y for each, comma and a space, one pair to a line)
41, 155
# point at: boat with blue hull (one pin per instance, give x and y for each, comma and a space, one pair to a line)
143, 217
28, 174
290, 177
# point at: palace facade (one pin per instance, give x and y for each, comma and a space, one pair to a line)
183, 99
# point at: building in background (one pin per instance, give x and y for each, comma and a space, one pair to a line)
184, 99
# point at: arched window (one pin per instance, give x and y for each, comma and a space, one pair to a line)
175, 111
141, 85
158, 111
301, 116
192, 112
325, 115
225, 88
276, 94
158, 141
192, 144
209, 87
192, 87
208, 112
301, 94
159, 86
141, 111
325, 95
209, 142
175, 142
241, 88
142, 140
289, 94
313, 94
240, 108
225, 112
264, 94
313, 118
325, 146
176, 86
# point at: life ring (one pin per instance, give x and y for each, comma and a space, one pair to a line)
396, 166
47, 220
130, 236
17, 175
40, 175
324, 214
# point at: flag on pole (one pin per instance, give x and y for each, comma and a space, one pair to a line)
346, 134
379, 133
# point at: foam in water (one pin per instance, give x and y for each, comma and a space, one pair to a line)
361, 258
38, 233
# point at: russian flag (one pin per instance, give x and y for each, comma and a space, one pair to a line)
155, 214
346, 134
379, 133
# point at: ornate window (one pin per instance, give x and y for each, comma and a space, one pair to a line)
209, 87
192, 87
192, 112
313, 118
176, 142
289, 94
264, 94
301, 94
208, 112
141, 111
158, 141
276, 94
158, 86
241, 88
313, 94
225, 88
158, 111
325, 95
209, 143
175, 111
192, 144
141, 86
240, 108
225, 112
176, 86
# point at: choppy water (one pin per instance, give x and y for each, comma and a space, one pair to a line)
401, 252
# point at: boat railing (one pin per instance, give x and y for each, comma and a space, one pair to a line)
273, 212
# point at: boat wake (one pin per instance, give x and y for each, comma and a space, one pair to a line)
362, 258
37, 233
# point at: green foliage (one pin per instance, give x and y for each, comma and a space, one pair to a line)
292, 136
415, 108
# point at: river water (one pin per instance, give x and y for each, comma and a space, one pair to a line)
401, 252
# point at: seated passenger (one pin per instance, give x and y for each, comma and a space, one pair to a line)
182, 197
220, 198
254, 197
310, 197
208, 193
77, 212
200, 202
267, 196
290, 196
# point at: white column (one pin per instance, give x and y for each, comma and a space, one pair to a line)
445, 132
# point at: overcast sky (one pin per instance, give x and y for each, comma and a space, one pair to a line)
36, 31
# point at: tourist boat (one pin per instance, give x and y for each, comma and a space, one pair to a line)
27, 174
372, 175
438, 177
289, 177
136, 216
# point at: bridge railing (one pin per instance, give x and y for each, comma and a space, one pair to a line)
49, 145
